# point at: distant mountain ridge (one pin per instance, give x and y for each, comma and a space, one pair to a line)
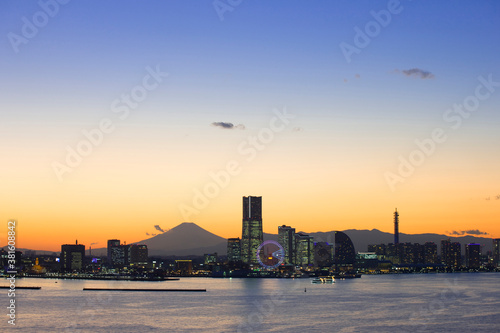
362, 238
189, 239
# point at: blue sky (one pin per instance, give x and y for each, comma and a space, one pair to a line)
352, 118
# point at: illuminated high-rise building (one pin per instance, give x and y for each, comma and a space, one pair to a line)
473, 255
345, 255
445, 252
72, 257
455, 256
418, 254
210, 258
251, 236
286, 238
119, 256
396, 227
233, 249
139, 254
496, 252
112, 243
304, 250
430, 253
451, 253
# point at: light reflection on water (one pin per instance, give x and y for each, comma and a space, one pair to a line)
385, 303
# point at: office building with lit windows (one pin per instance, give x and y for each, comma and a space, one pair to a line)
233, 250
473, 255
304, 254
138, 254
451, 253
119, 256
72, 257
251, 236
286, 238
430, 253
496, 252
345, 255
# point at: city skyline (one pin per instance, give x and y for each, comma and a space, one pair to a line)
125, 123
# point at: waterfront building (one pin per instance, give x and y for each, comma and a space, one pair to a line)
496, 252
286, 238
184, 267
391, 251
112, 243
251, 236
418, 254
304, 245
405, 253
210, 258
138, 254
445, 252
119, 256
72, 257
345, 255
367, 261
233, 250
473, 255
455, 255
430, 253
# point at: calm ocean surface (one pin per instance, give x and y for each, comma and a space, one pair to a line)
384, 303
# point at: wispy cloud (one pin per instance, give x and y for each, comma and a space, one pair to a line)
416, 73
226, 125
157, 227
468, 232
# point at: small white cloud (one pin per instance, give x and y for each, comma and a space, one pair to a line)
417, 73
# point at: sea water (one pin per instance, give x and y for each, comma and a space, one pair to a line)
458, 302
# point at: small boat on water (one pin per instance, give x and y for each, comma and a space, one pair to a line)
323, 279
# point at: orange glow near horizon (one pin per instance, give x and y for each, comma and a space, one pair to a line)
88, 227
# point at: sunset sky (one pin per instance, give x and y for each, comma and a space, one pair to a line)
157, 84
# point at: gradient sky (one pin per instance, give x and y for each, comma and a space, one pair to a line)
325, 171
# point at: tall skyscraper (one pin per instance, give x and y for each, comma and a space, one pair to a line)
396, 227
233, 250
430, 253
345, 255
119, 256
286, 238
496, 252
251, 236
72, 257
111, 244
473, 255
304, 245
418, 254
139, 254
445, 252
455, 256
